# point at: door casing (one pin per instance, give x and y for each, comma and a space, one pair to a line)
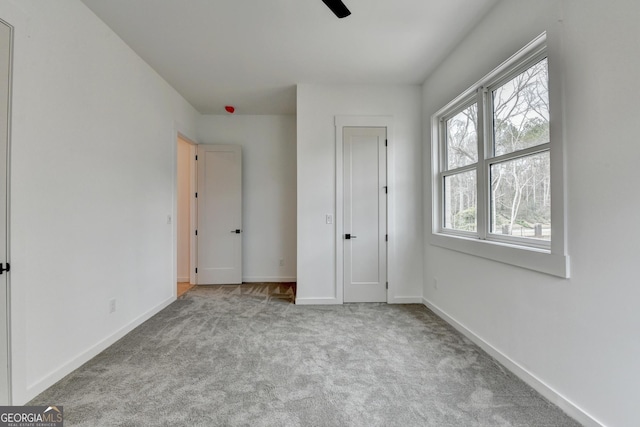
192, 205
6, 52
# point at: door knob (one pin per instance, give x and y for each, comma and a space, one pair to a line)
236, 231
2, 269
349, 236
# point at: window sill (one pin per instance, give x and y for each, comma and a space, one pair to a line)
530, 258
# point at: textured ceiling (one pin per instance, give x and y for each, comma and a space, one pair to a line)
252, 53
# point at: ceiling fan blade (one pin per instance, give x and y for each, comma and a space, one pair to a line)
338, 8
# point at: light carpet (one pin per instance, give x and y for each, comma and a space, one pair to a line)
246, 356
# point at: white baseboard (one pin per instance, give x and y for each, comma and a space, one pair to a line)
536, 383
329, 301
50, 379
268, 279
317, 301
405, 300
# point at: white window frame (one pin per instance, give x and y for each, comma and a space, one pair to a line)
543, 256
454, 109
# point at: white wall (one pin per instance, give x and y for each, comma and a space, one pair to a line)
183, 216
92, 181
578, 337
317, 107
269, 190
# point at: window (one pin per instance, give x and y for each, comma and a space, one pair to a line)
492, 149
459, 180
518, 161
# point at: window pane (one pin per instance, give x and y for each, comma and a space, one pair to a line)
462, 138
460, 201
521, 197
521, 111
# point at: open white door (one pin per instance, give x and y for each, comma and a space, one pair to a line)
5, 88
219, 214
365, 214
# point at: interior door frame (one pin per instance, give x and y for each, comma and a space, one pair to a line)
363, 121
180, 134
8, 385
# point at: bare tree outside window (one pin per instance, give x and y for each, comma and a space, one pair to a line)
460, 201
462, 138
460, 188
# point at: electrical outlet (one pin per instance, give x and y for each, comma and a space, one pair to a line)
329, 219
112, 305
435, 282
281, 262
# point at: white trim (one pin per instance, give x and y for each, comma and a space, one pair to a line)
268, 279
318, 301
9, 327
528, 377
559, 206
180, 133
405, 300
193, 215
519, 256
183, 279
364, 121
48, 380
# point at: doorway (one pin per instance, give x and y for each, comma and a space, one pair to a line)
6, 46
185, 214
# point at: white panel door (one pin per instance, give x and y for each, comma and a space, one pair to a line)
5, 80
219, 214
365, 214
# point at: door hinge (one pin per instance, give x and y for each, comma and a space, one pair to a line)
196, 195
386, 237
196, 232
196, 270
2, 269
387, 285
196, 157
385, 189
386, 142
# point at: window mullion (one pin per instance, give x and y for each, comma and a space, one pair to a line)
440, 212
442, 152
482, 180
520, 153
459, 170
